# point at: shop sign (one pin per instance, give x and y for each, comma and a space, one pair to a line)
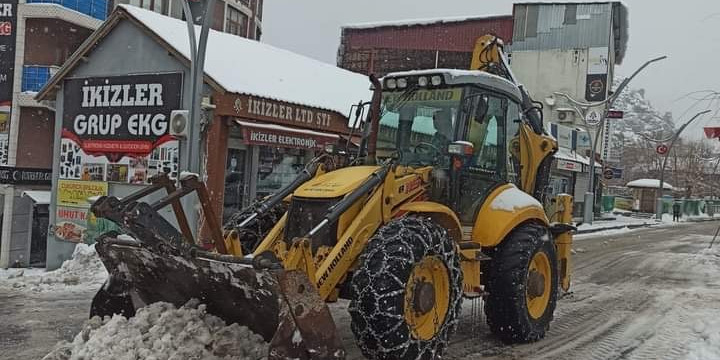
25, 176
257, 136
279, 112
72, 210
569, 165
117, 128
564, 136
8, 24
70, 223
76, 193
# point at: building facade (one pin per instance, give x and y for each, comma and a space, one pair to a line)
385, 47
36, 37
259, 128
569, 48
238, 17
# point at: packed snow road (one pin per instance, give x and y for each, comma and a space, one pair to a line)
645, 294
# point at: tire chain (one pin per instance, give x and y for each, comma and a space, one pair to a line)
377, 307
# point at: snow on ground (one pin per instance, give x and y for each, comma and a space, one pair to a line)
162, 332
84, 270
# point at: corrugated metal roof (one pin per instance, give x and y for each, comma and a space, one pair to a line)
565, 26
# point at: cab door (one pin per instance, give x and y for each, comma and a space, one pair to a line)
485, 128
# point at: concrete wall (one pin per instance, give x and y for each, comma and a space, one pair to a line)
126, 50
36, 136
548, 71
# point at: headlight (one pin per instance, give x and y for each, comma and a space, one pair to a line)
436, 80
402, 83
391, 83
423, 81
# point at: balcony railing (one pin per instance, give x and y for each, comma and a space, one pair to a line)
95, 8
35, 77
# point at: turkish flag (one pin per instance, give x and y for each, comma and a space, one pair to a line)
712, 132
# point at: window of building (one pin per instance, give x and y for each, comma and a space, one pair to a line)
157, 6
259, 10
258, 33
236, 22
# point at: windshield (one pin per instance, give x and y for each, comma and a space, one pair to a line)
416, 126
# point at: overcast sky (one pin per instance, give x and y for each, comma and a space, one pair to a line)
686, 31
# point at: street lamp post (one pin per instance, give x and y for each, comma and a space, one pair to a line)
581, 108
197, 73
659, 202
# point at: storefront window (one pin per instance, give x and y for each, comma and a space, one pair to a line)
278, 167
235, 185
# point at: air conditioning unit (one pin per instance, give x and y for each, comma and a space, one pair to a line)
565, 115
179, 123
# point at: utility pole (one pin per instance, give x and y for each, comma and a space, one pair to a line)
582, 109
659, 203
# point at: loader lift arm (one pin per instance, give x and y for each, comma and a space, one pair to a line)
535, 148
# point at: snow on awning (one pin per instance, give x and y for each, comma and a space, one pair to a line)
570, 155
649, 183
285, 136
429, 21
246, 66
40, 197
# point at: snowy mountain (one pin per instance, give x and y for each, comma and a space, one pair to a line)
640, 118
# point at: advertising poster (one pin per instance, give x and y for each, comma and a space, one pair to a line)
72, 210
597, 74
8, 23
116, 129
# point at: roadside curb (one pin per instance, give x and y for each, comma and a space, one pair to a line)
636, 226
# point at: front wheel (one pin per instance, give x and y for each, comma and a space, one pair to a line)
407, 291
522, 285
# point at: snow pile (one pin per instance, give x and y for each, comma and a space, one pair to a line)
161, 332
83, 270
708, 347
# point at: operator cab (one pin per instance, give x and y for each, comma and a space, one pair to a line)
462, 123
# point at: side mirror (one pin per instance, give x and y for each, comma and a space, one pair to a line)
481, 109
477, 106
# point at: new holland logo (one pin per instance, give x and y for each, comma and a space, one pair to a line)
344, 249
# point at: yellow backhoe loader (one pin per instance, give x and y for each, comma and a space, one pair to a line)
445, 201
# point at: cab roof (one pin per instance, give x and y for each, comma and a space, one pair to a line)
465, 77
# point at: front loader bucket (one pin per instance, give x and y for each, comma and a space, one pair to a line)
282, 306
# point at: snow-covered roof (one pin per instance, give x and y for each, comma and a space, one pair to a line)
413, 22
40, 197
244, 66
649, 183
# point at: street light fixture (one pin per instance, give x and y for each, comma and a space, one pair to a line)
582, 109
658, 204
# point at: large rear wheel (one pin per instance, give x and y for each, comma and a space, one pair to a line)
407, 291
522, 285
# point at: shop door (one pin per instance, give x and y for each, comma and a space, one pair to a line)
235, 182
38, 237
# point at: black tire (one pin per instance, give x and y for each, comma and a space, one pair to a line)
506, 309
379, 288
254, 232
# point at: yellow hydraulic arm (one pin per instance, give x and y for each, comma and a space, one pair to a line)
533, 146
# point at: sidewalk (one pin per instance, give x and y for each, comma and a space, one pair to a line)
620, 221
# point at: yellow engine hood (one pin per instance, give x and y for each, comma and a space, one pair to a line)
335, 183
